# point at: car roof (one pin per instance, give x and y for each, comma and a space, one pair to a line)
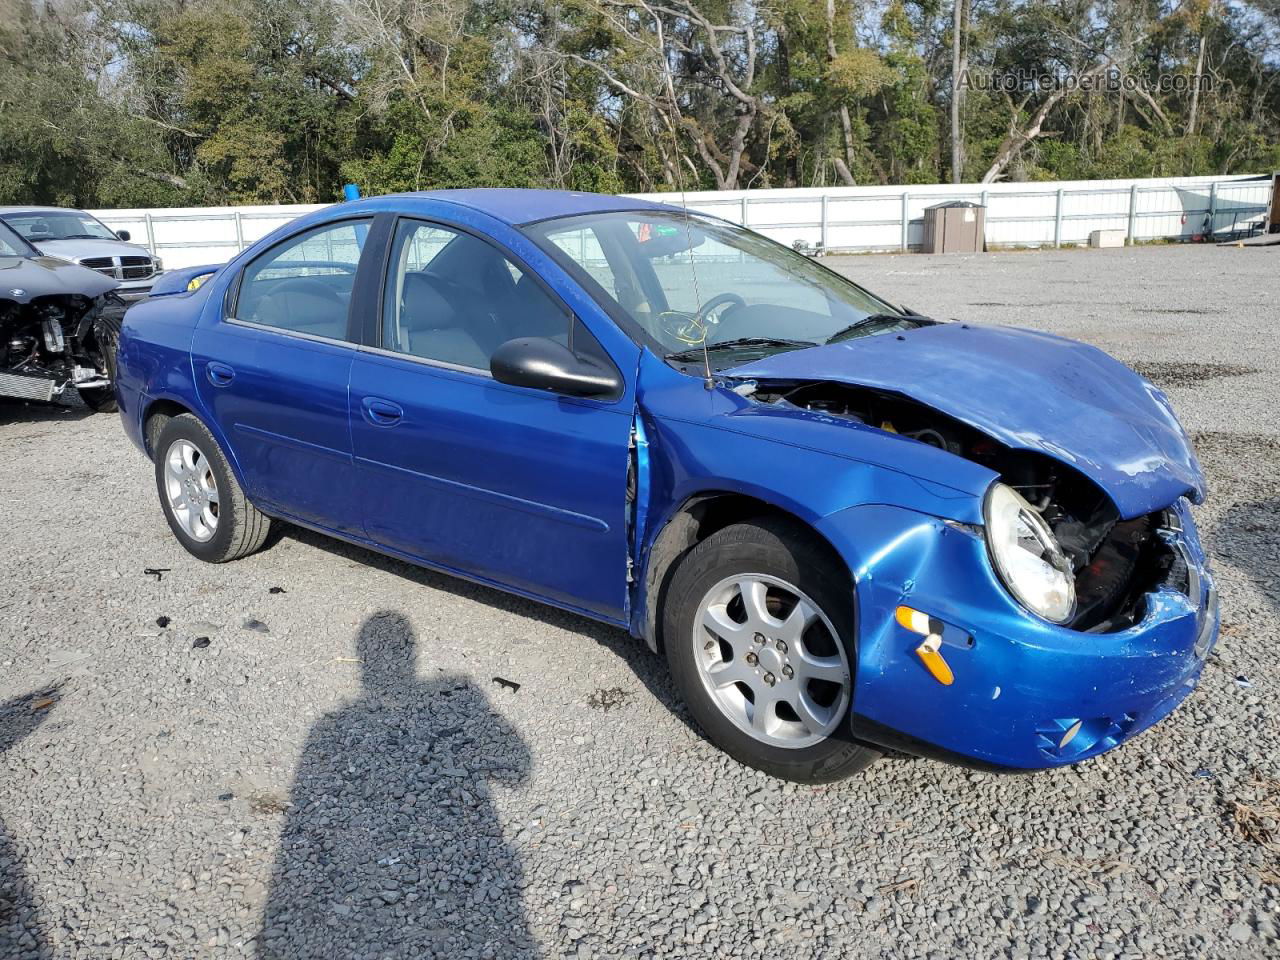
511, 204
519, 206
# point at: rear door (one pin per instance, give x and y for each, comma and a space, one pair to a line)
519, 486
273, 370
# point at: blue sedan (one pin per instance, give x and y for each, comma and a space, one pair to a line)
847, 526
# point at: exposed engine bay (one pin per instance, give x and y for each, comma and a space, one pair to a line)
57, 341
1115, 562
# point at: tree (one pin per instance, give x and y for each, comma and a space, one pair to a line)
65, 134
716, 108
1065, 45
957, 91
155, 102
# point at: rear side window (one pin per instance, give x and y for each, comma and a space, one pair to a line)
454, 298
304, 285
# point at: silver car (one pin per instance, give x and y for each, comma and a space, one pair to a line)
80, 238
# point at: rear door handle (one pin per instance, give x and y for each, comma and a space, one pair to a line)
219, 374
381, 413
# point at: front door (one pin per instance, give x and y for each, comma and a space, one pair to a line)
521, 487
273, 368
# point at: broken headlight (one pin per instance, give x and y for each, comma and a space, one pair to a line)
1027, 557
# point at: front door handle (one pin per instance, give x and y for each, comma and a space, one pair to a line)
219, 374
381, 413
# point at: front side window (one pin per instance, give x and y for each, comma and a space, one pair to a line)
690, 280
584, 248
304, 285
455, 298
38, 225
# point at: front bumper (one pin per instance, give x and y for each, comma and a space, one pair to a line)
1020, 684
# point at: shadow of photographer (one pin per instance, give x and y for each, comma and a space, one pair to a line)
21, 935
391, 845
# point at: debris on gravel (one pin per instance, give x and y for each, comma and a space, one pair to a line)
354, 784
610, 699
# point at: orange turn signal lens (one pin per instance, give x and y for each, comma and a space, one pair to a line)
933, 662
929, 651
912, 620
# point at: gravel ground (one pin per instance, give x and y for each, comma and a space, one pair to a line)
329, 770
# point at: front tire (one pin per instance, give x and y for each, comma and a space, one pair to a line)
106, 332
99, 399
759, 632
204, 504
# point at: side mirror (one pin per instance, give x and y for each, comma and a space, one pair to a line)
547, 365
124, 235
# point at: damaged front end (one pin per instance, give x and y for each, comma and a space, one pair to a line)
954, 661
1114, 563
59, 326
951, 666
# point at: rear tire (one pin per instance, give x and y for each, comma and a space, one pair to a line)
782, 611
200, 496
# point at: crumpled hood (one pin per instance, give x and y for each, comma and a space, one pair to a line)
1030, 391
23, 279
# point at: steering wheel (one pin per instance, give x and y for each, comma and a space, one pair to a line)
691, 328
718, 301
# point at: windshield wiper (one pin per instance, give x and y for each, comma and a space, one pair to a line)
695, 353
867, 321
82, 236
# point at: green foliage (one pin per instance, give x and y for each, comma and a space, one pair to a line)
857, 73
479, 145
910, 125
60, 140
165, 102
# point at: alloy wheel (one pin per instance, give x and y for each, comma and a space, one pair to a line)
192, 490
771, 660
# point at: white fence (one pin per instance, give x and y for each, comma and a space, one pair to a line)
837, 218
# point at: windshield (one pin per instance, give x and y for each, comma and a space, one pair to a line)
37, 225
12, 245
686, 280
